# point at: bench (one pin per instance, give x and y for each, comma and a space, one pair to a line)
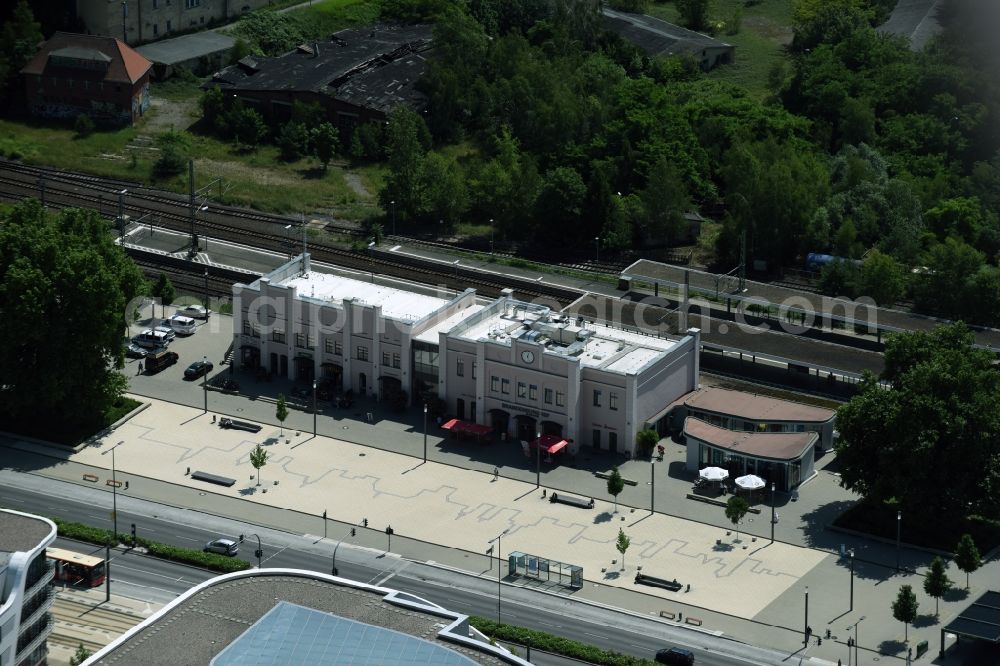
653, 581
606, 476
213, 478
239, 425
572, 501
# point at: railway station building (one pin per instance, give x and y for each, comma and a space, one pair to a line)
520, 368
26, 591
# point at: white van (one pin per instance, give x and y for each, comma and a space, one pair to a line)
183, 325
151, 339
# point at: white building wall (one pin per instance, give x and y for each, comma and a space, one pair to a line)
12, 584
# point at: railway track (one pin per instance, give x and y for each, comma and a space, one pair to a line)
247, 227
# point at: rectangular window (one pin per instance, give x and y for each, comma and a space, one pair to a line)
597, 398
310, 342
386, 359
168, 26
300, 340
328, 346
474, 364
596, 435
560, 399
156, 27
155, 6
246, 327
494, 383
460, 367
278, 335
548, 396
395, 359
505, 386
532, 392
522, 390
362, 353
613, 402
338, 349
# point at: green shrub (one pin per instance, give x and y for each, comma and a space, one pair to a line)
556, 644
94, 535
83, 126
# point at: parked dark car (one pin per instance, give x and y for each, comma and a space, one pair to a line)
302, 392
133, 350
324, 389
197, 369
675, 657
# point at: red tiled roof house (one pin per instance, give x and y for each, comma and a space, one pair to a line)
86, 74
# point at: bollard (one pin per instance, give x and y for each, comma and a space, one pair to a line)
188, 472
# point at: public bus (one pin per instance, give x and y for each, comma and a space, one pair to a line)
77, 569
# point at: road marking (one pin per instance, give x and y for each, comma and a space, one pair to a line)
382, 582
269, 557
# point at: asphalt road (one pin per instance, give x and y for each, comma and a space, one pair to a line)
150, 579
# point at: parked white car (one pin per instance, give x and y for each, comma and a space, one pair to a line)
151, 339
182, 325
195, 311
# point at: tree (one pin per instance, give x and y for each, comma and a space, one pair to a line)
443, 195
324, 139
622, 545
64, 284
904, 608
164, 290
281, 412
881, 279
736, 508
81, 655
694, 13
19, 39
293, 140
615, 484
967, 556
247, 126
83, 125
407, 140
937, 583
930, 442
258, 458
645, 440
173, 159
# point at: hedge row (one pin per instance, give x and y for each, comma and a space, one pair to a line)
212, 561
541, 640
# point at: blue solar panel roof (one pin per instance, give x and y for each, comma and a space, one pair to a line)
293, 634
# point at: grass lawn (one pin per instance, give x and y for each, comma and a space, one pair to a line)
324, 18
764, 30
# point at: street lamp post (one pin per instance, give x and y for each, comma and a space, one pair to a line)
805, 628
857, 655
597, 249
371, 259
288, 241
425, 432
195, 246
114, 522
333, 565
121, 211
491, 235
392, 204
772, 512
206, 292
314, 407
852, 581
899, 522
499, 568
114, 488
259, 553
204, 382
538, 460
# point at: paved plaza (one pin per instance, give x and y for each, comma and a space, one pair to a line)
366, 462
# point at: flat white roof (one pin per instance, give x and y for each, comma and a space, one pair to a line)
608, 348
431, 334
396, 303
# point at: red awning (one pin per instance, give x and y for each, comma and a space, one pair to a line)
551, 444
466, 427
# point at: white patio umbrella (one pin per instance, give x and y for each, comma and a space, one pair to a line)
750, 482
713, 474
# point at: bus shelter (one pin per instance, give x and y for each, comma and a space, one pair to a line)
540, 568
